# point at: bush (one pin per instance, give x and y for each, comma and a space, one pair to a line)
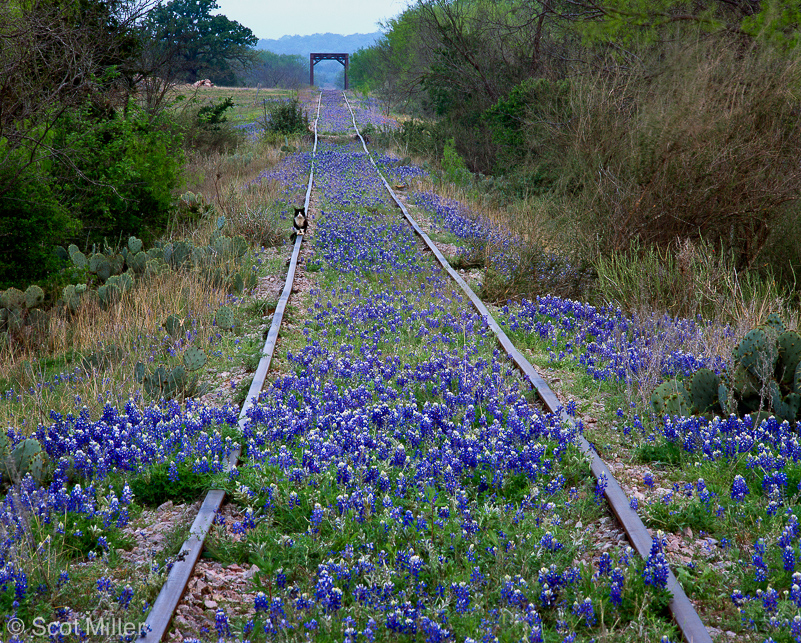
704, 141
207, 130
121, 173
521, 126
454, 169
32, 221
285, 118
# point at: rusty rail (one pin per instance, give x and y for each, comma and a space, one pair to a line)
687, 619
160, 616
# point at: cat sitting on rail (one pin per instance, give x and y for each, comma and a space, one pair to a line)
299, 223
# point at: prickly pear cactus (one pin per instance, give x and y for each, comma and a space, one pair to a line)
116, 263
797, 380
123, 283
134, 245
236, 285
775, 322
27, 457
71, 298
174, 326
671, 398
181, 251
765, 378
704, 391
13, 299
239, 246
34, 296
789, 343
757, 353
155, 267
222, 245
175, 382
137, 262
225, 318
194, 358
77, 257
39, 320
109, 294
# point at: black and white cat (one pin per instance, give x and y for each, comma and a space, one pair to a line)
299, 223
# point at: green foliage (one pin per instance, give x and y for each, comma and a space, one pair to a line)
212, 115
196, 42
364, 68
624, 22
286, 118
122, 173
270, 69
778, 22
454, 169
522, 124
155, 486
32, 220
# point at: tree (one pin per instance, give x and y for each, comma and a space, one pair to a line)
55, 55
188, 42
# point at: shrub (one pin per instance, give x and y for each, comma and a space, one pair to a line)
207, 130
285, 118
121, 173
521, 126
454, 169
704, 141
32, 221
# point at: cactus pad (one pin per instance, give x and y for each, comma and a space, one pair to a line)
34, 296
78, 258
225, 318
181, 251
134, 245
789, 343
704, 390
775, 322
174, 326
194, 358
671, 398
13, 299
757, 352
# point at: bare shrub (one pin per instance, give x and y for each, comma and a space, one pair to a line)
705, 144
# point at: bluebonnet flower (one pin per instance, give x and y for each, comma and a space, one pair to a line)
739, 489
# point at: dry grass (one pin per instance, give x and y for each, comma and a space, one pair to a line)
703, 141
128, 332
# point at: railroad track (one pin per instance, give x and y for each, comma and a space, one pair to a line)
161, 614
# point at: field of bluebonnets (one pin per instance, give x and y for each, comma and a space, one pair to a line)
399, 481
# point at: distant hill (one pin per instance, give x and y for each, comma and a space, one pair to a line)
319, 43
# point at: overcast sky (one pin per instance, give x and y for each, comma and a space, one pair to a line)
276, 18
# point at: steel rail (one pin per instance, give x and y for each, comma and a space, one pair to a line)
160, 616
687, 619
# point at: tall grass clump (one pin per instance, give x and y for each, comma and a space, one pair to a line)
686, 279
